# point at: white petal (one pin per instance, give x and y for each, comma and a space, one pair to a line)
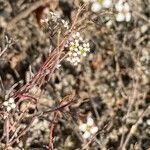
86, 135
107, 3
76, 49
5, 103
78, 34
74, 54
90, 121
86, 49
119, 7
126, 7
77, 42
94, 130
71, 43
120, 17
72, 59
83, 127
148, 122
11, 100
75, 63
87, 44
80, 47
78, 60
78, 52
8, 108
96, 7
68, 58
84, 44
13, 105
71, 48
109, 23
74, 36
128, 17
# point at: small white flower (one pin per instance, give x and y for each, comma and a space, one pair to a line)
96, 7
107, 3
123, 9
77, 48
10, 104
120, 17
88, 128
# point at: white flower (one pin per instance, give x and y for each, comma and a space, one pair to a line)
123, 9
120, 17
107, 3
96, 7
88, 128
9, 104
77, 48
119, 6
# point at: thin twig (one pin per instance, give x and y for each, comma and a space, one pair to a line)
51, 130
134, 127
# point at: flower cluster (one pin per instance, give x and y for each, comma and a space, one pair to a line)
78, 48
56, 19
123, 9
9, 104
99, 4
88, 129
